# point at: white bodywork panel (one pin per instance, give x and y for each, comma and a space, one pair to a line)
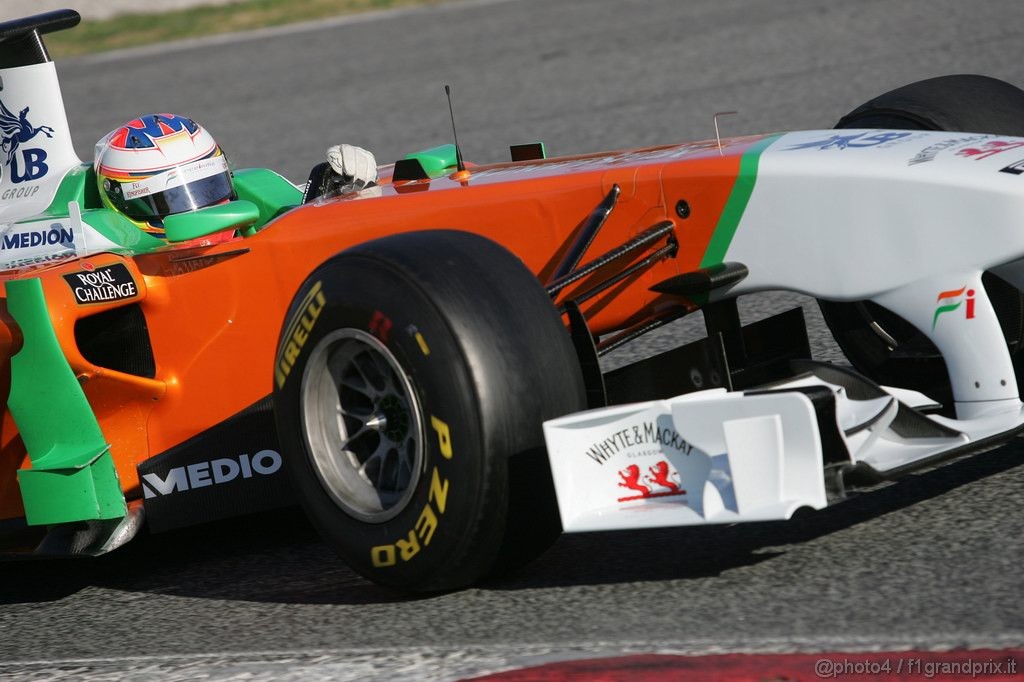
33, 163
909, 220
32, 173
862, 221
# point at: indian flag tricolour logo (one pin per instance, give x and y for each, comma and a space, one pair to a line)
948, 301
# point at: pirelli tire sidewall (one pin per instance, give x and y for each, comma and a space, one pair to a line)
447, 324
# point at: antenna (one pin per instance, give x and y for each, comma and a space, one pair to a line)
717, 136
458, 150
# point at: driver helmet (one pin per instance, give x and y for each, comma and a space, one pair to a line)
158, 165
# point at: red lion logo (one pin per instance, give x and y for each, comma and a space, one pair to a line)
631, 479
659, 475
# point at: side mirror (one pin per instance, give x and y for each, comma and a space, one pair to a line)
234, 215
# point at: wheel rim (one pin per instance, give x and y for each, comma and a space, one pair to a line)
363, 425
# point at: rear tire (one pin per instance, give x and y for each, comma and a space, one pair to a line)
417, 367
879, 343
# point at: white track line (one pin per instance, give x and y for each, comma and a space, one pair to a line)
688, 647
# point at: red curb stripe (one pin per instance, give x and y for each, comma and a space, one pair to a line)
947, 666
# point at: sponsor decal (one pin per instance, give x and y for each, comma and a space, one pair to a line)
102, 285
37, 260
56, 234
197, 170
1016, 168
19, 192
422, 532
298, 331
189, 264
661, 481
215, 472
854, 141
15, 131
990, 149
948, 301
190, 484
628, 439
929, 153
137, 191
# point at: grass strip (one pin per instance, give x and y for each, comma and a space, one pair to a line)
132, 30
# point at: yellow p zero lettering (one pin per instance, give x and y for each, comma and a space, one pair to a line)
426, 524
383, 556
438, 491
407, 549
444, 436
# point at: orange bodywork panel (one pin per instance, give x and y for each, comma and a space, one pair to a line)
214, 313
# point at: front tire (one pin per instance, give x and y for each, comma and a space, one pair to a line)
416, 367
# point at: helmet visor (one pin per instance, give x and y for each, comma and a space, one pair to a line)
199, 184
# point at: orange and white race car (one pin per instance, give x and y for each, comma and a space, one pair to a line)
418, 363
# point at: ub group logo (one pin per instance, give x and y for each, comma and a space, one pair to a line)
645, 486
15, 130
948, 301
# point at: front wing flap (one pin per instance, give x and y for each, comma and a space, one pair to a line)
707, 457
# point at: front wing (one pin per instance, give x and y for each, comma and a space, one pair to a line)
725, 457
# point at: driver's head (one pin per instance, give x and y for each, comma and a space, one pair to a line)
158, 165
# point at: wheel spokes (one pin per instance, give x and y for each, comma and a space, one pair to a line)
364, 438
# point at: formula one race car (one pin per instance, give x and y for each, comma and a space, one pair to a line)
417, 363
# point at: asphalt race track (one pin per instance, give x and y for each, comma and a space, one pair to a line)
931, 562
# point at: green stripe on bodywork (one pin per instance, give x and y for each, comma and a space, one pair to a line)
72, 476
721, 238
